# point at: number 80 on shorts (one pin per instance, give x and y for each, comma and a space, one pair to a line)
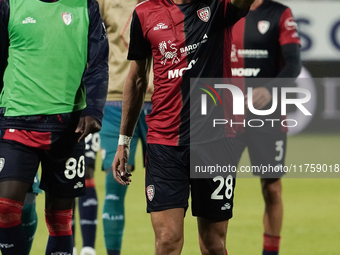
74, 168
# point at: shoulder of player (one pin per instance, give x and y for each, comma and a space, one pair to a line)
4, 5
2, 2
144, 9
147, 5
92, 5
4, 11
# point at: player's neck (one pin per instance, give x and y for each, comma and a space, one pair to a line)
256, 4
182, 1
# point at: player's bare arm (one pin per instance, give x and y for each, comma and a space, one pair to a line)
242, 4
133, 97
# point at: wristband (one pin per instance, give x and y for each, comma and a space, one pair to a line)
124, 140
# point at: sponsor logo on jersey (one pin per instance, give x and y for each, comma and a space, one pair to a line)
60, 253
29, 20
252, 53
245, 72
2, 163
263, 26
160, 26
179, 72
150, 191
226, 206
191, 47
246, 53
290, 24
168, 51
204, 14
67, 18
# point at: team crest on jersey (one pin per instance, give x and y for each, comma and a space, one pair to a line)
204, 14
67, 18
168, 51
150, 191
2, 163
263, 26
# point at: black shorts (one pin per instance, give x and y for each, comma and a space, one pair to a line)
266, 149
92, 146
61, 157
168, 182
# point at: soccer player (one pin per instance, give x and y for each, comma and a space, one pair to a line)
267, 41
88, 204
159, 30
55, 85
117, 17
29, 217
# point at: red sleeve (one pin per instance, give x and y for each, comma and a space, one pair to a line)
288, 29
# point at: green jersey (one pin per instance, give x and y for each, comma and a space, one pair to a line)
47, 57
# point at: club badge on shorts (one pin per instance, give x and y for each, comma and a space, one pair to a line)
204, 14
150, 191
67, 18
263, 26
2, 163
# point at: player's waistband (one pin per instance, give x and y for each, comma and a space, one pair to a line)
53, 123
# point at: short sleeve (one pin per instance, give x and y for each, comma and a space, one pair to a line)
288, 29
139, 48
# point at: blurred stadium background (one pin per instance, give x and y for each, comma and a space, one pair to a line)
311, 205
